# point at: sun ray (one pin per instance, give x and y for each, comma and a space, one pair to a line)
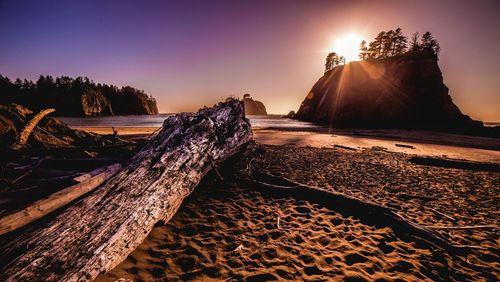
348, 46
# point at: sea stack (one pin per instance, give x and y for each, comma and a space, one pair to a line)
405, 91
253, 107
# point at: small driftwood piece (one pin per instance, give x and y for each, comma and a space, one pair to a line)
405, 146
59, 199
467, 227
31, 168
26, 132
442, 214
89, 175
363, 209
95, 234
344, 147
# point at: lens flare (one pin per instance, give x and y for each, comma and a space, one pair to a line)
348, 46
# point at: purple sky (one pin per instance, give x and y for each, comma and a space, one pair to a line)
193, 53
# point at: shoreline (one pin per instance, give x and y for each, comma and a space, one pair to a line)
423, 143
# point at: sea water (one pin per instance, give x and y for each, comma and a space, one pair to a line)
258, 122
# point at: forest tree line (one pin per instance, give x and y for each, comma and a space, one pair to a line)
67, 95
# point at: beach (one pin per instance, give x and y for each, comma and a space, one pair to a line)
446, 145
224, 231
393, 204
250, 141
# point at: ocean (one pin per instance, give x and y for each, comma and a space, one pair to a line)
491, 123
258, 122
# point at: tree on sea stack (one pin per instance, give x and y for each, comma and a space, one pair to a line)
332, 60
393, 43
429, 42
363, 51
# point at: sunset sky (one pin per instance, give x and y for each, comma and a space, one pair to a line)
193, 53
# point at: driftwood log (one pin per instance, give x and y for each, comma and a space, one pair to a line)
96, 233
376, 214
59, 199
26, 132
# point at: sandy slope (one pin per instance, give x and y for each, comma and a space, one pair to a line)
224, 232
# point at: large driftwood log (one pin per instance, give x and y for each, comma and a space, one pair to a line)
98, 232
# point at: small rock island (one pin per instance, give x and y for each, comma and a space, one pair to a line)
404, 92
253, 107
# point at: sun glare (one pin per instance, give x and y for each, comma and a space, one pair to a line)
348, 46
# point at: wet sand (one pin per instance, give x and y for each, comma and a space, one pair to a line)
224, 232
426, 143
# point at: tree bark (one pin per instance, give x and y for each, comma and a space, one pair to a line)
98, 232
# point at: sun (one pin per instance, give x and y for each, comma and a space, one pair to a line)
348, 46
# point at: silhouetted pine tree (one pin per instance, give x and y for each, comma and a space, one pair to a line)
429, 42
363, 51
399, 42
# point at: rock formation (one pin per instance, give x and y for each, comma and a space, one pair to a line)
291, 114
253, 107
405, 92
94, 103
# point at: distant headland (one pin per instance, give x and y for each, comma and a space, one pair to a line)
76, 97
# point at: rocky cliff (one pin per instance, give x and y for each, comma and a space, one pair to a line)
399, 92
253, 107
93, 103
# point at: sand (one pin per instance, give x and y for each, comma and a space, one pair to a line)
225, 232
417, 147
426, 143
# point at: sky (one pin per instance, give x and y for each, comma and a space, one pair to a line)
189, 54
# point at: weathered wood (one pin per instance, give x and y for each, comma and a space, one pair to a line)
54, 201
442, 214
98, 232
466, 227
90, 174
344, 147
31, 168
26, 132
405, 146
